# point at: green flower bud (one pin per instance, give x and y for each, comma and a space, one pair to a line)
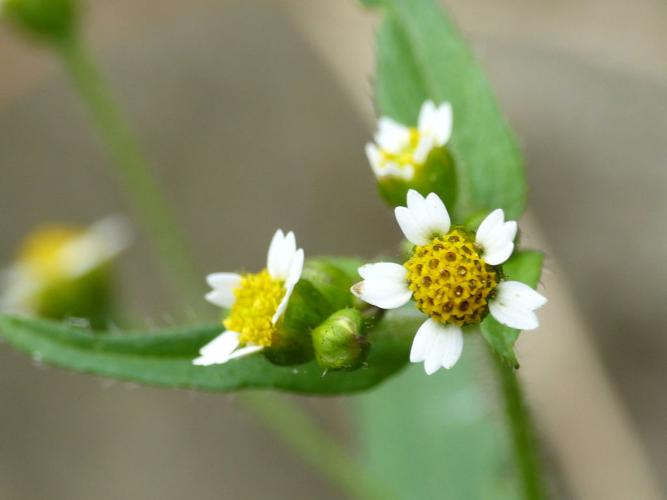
339, 343
53, 20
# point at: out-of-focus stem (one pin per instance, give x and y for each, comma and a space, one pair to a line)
133, 172
297, 429
521, 432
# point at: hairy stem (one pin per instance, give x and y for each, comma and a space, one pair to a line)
294, 427
522, 432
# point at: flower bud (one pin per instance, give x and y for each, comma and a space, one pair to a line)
54, 20
339, 343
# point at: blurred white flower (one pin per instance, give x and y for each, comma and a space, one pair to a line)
55, 255
399, 149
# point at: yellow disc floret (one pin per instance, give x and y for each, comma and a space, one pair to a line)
257, 299
404, 157
449, 279
41, 253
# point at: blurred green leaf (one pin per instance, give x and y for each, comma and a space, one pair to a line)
436, 437
421, 56
165, 357
524, 266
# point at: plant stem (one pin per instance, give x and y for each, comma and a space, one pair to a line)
522, 431
132, 170
294, 427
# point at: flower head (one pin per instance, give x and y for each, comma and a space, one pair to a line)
54, 256
453, 275
257, 302
400, 150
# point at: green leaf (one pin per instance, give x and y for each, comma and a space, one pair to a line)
524, 266
421, 56
165, 357
436, 437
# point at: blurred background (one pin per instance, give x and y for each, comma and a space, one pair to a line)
256, 113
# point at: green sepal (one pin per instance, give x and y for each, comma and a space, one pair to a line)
436, 175
54, 20
524, 266
332, 279
306, 309
339, 342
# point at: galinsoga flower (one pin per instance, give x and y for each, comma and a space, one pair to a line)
54, 256
400, 149
454, 277
257, 302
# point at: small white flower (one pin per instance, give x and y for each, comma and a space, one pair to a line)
55, 255
257, 302
398, 149
453, 278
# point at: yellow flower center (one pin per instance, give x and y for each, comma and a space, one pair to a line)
42, 251
404, 157
449, 279
257, 299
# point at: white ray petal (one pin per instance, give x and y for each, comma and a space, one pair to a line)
384, 285
293, 276
436, 122
391, 169
421, 344
218, 350
496, 237
245, 351
438, 345
413, 231
424, 147
101, 242
281, 252
223, 285
391, 135
375, 159
423, 217
438, 213
514, 304
514, 317
381, 270
295, 269
521, 294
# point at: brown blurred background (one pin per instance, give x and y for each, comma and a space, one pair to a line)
256, 113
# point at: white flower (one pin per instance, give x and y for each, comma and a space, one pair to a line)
55, 255
452, 277
399, 150
257, 302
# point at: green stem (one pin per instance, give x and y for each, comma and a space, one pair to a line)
297, 429
278, 414
132, 170
522, 432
